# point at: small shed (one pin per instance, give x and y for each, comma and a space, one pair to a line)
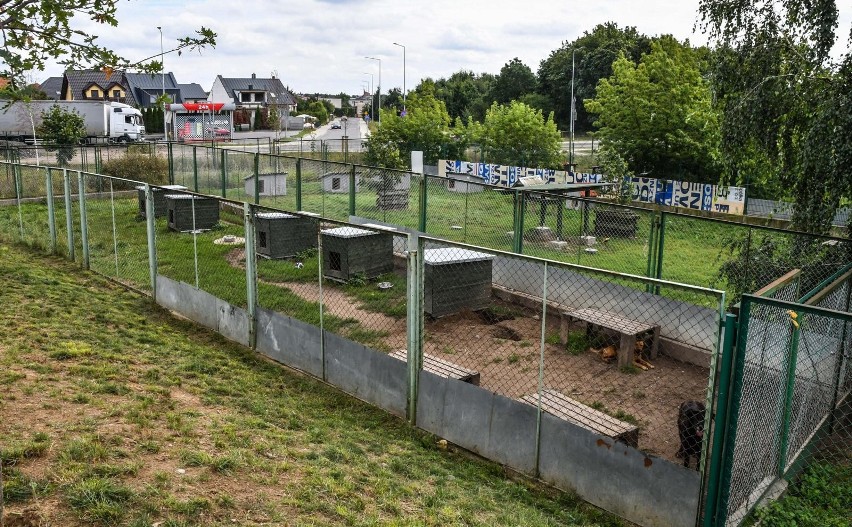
349, 251
465, 184
281, 235
268, 185
455, 280
159, 199
187, 212
391, 180
338, 182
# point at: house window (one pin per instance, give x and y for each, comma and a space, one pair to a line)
334, 261
94, 93
261, 240
245, 97
116, 94
335, 183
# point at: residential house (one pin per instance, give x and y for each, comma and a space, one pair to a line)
52, 87
147, 87
90, 85
360, 102
252, 93
192, 93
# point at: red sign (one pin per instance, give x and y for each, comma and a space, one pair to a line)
203, 106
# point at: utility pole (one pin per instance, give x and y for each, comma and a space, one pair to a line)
380, 85
403, 76
163, 77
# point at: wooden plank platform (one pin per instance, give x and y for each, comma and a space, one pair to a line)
442, 368
562, 406
628, 330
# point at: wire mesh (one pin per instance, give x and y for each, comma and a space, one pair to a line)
589, 342
117, 233
757, 449
325, 188
388, 196
277, 187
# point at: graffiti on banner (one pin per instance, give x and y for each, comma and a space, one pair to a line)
697, 196
507, 176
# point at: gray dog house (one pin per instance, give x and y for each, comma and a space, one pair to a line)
281, 235
159, 198
455, 280
268, 184
187, 212
347, 252
391, 181
464, 184
338, 182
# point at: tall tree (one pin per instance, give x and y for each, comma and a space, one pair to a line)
593, 53
658, 115
787, 104
514, 81
518, 135
34, 33
466, 94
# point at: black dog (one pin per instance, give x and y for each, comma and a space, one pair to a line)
690, 426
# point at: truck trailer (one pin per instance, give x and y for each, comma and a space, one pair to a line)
105, 121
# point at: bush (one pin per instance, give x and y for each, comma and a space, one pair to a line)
138, 165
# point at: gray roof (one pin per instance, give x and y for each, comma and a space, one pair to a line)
52, 87
79, 80
148, 86
191, 91
282, 96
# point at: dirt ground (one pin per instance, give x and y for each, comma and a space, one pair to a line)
507, 354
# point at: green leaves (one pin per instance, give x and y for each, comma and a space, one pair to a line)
35, 33
62, 129
658, 115
516, 134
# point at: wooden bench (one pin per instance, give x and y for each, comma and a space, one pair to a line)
442, 368
629, 331
564, 407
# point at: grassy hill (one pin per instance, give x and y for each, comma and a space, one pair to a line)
113, 412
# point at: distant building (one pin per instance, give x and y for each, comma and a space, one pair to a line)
147, 87
90, 85
52, 87
192, 93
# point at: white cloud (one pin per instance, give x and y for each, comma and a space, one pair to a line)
319, 45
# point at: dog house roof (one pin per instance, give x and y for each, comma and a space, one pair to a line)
274, 215
347, 232
162, 187
450, 255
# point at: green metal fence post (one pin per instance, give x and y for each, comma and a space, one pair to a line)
150, 227
195, 168
171, 155
84, 228
661, 250
69, 210
720, 423
251, 273
298, 183
788, 396
414, 322
424, 184
51, 212
736, 391
224, 171
519, 212
18, 192
257, 177
352, 177
652, 250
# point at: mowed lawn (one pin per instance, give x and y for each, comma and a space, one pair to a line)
113, 412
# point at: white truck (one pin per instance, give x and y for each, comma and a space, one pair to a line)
105, 121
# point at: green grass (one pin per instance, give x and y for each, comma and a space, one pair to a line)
820, 497
253, 440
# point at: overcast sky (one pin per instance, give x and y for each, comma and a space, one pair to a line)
320, 45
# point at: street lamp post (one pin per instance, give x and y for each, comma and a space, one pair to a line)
380, 85
372, 106
572, 118
163, 77
403, 75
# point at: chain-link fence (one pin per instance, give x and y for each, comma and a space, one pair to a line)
791, 389
625, 359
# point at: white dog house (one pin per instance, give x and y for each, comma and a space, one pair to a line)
268, 185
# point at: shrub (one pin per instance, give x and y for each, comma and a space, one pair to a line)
138, 166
